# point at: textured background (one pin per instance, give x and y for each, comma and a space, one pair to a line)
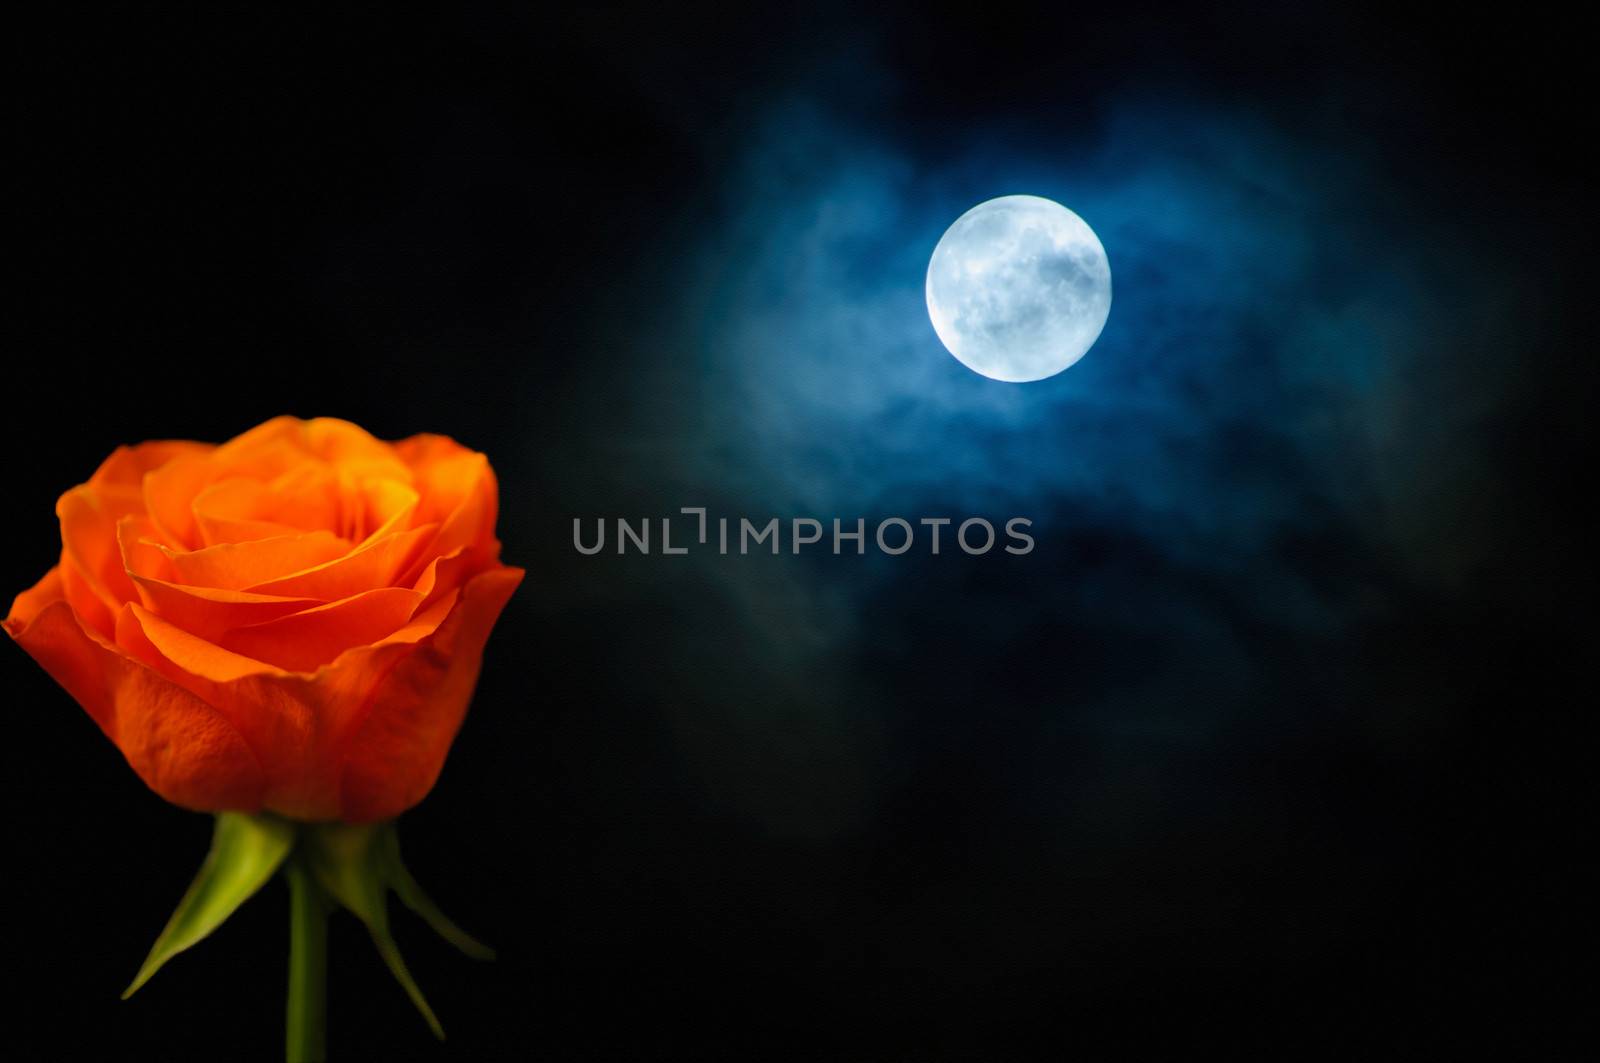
1257, 750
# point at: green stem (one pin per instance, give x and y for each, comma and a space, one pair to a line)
307, 1018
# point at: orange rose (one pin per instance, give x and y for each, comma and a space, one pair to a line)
292, 621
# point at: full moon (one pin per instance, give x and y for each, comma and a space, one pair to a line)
1019, 288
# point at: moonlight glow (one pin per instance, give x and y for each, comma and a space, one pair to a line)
1019, 288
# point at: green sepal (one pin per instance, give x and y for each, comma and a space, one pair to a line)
405, 887
245, 852
358, 865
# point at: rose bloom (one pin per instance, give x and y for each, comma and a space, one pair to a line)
292, 621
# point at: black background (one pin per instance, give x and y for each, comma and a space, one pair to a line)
227, 217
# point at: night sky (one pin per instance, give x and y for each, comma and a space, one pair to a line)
1266, 746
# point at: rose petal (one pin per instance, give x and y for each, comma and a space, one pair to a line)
267, 435
461, 491
308, 496
159, 643
374, 565
306, 640
352, 447
450, 572
242, 566
296, 722
396, 752
127, 466
279, 722
209, 611
181, 747
386, 506
140, 548
242, 493
32, 601
240, 510
326, 439
89, 517
88, 604
168, 492
429, 448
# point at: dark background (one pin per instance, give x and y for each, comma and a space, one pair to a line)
1268, 747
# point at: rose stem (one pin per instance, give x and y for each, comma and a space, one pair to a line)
307, 1018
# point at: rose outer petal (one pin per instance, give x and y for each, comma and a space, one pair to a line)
397, 751
181, 747
300, 724
127, 466
460, 493
89, 516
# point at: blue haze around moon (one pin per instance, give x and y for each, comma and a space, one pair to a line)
1261, 406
